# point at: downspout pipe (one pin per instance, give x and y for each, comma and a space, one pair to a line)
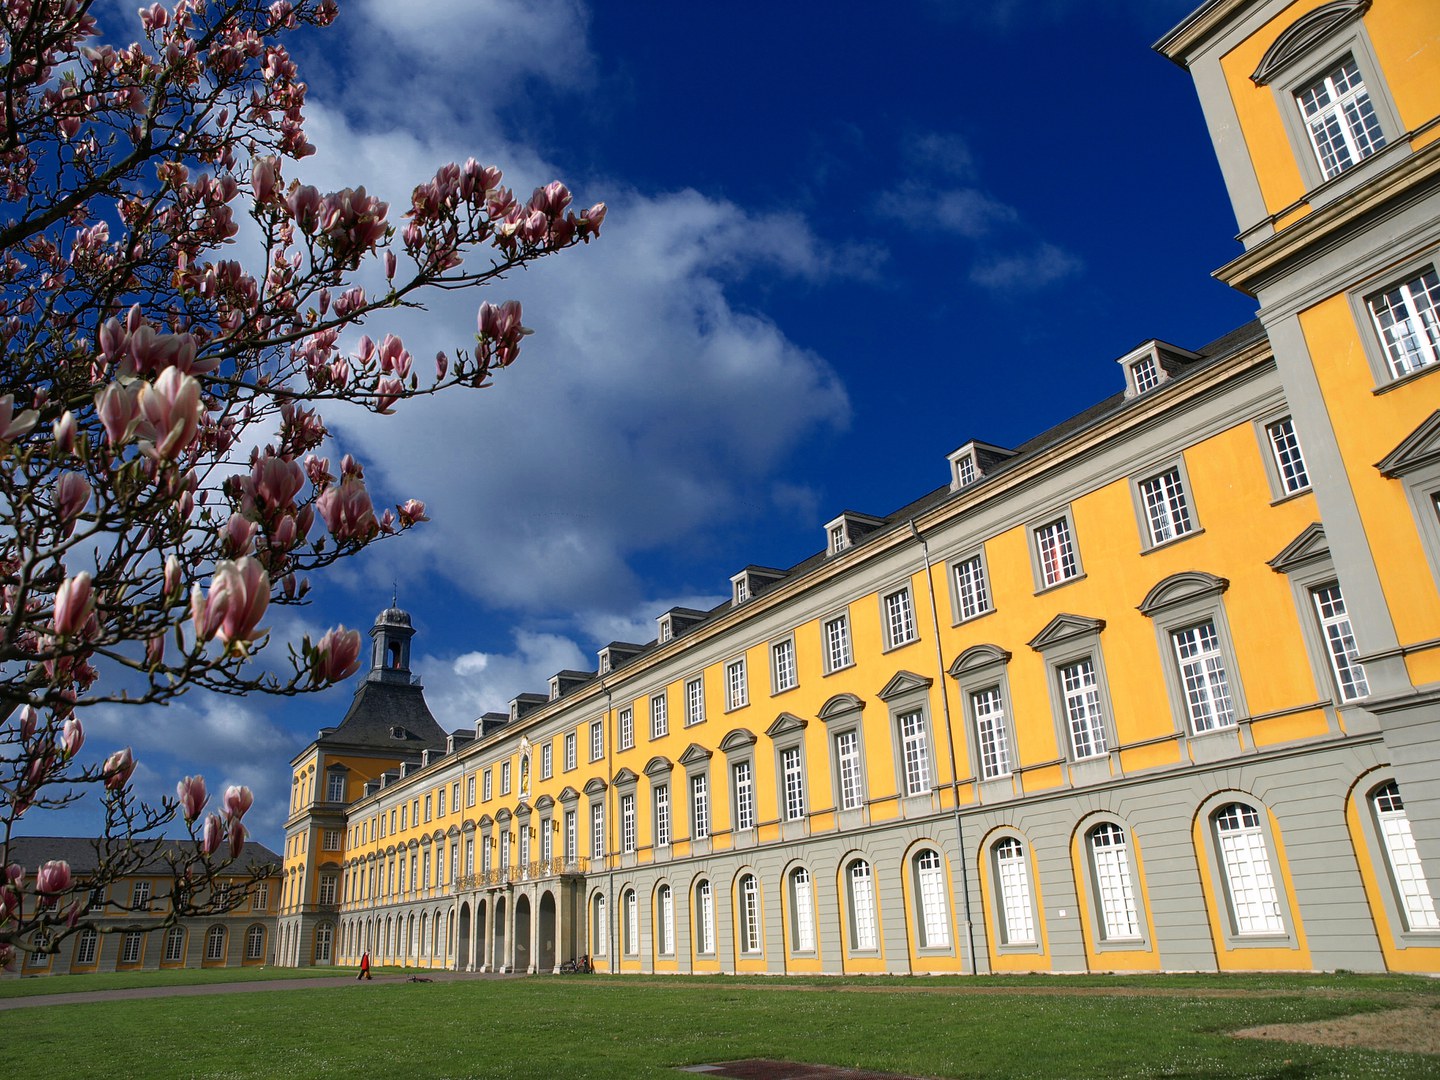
950, 748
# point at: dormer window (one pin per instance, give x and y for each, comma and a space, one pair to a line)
1152, 365
844, 532
397, 733
742, 590
666, 632
974, 461
838, 540
605, 663
554, 687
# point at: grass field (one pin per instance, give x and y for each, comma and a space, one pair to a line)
127, 980
599, 1026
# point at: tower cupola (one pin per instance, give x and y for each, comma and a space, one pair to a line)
391, 653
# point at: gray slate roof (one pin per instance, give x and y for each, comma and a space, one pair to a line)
381, 708
81, 852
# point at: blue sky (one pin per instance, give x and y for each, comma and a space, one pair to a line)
843, 240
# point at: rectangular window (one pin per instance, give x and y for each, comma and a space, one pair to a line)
327, 889
1408, 324
862, 901
1340, 643
991, 737
547, 761
597, 739
1110, 860
489, 784
1167, 512
1340, 118
440, 801
1202, 675
130, 950
627, 823
597, 830
571, 839
744, 796
470, 791
505, 778
262, 897
140, 896
737, 689
965, 470
837, 644
705, 919
569, 751
972, 594
662, 815
1056, 552
1013, 876
1289, 461
915, 749
803, 892
694, 701
330, 840
847, 761
659, 717
838, 540
1147, 374
627, 728
793, 781
335, 787
1081, 694
174, 945
782, 666
699, 807
1254, 899
469, 857
1407, 872
749, 914
899, 619
429, 806
404, 817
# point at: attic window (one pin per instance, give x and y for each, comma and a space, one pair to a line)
554, 687
397, 733
742, 590
604, 662
965, 473
1147, 375
838, 540
666, 632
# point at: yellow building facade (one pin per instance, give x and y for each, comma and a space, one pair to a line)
1155, 690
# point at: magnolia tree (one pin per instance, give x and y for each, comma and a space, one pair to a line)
162, 469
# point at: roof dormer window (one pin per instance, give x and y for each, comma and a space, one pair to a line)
666, 630
1147, 374
838, 540
1151, 365
974, 461
742, 590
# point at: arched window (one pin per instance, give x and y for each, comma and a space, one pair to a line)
861, 887
1012, 880
1406, 873
324, 937
600, 932
1115, 892
424, 949
1254, 900
85, 947
704, 918
802, 911
175, 944
667, 921
934, 922
255, 943
215, 943
632, 922
749, 914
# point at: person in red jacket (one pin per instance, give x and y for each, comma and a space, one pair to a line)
364, 965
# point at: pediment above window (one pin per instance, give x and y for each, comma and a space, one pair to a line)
738, 740
544, 802
626, 778
658, 766
569, 795
1179, 588
502, 817
1306, 549
784, 724
695, 754
594, 786
486, 821
977, 657
904, 682
1304, 34
841, 705
1418, 449
1065, 627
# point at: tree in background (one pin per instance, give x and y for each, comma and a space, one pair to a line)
161, 473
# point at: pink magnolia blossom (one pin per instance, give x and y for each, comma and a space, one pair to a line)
239, 534
239, 594
171, 409
29, 721
347, 510
14, 425
238, 799
119, 409
265, 179
74, 603
411, 511
72, 495
64, 430
337, 656
173, 581
72, 737
237, 838
192, 796
53, 878
212, 835
117, 769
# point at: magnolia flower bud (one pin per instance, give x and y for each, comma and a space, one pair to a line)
238, 799
117, 769
192, 797
53, 877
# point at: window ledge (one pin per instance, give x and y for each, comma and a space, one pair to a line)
1406, 379
1058, 585
1291, 496
900, 645
1163, 544
972, 618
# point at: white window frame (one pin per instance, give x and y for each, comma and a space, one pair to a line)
737, 686
1015, 917
897, 617
932, 900
1348, 138
659, 716
626, 723
1418, 294
916, 768
572, 836
991, 728
792, 782
1055, 551
784, 674
255, 943
1284, 457
666, 903
835, 634
860, 906
700, 806
742, 783
970, 595
1165, 506
1115, 896
1412, 906
1254, 904
215, 943
661, 799
1204, 677
174, 945
87, 946
802, 910
597, 739
547, 760
849, 770
695, 701
140, 896
751, 939
1337, 634
1082, 709
488, 785
599, 927
130, 947
597, 830
627, 823
571, 757
704, 918
631, 903
334, 786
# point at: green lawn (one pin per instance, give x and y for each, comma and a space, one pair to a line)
127, 980
602, 1026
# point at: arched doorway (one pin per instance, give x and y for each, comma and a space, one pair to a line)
522, 934
462, 943
497, 953
545, 960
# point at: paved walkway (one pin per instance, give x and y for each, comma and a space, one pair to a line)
136, 993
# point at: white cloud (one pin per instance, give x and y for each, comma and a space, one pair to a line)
1034, 269
459, 688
